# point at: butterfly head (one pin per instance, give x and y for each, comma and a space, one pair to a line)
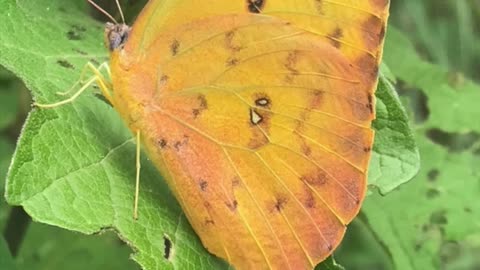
116, 35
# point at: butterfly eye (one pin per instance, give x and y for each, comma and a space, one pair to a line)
116, 35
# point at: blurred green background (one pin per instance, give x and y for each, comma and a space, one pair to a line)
444, 32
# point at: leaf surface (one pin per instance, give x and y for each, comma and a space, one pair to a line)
423, 223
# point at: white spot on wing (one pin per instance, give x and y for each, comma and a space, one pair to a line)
255, 117
262, 102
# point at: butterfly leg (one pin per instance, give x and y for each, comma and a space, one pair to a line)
97, 77
137, 177
82, 81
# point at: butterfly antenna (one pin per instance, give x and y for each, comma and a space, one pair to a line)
103, 11
120, 9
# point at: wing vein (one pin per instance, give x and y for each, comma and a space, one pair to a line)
311, 188
322, 146
258, 207
300, 107
298, 202
184, 200
318, 166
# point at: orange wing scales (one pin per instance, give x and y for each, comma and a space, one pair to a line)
260, 123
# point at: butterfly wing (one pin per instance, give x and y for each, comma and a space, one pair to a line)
258, 117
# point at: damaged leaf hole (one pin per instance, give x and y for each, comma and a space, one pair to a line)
65, 64
439, 218
76, 32
168, 247
432, 193
454, 142
433, 175
417, 99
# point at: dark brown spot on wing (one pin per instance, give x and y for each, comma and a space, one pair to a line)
290, 63
309, 200
163, 81
317, 99
317, 178
368, 66
180, 143
381, 35
335, 37
280, 203
374, 37
232, 205
235, 182
255, 6
203, 185
232, 61
162, 143
258, 141
230, 43
174, 47
306, 150
202, 105
203, 102
370, 103
319, 6
209, 221
207, 205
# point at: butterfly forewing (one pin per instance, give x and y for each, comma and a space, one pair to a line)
259, 117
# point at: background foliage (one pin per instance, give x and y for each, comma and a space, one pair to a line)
431, 222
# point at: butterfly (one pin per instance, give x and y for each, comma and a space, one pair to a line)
258, 115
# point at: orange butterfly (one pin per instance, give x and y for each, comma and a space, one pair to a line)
258, 114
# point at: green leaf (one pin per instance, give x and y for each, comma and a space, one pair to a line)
9, 98
452, 99
395, 158
46, 247
6, 152
74, 165
431, 212
329, 264
432, 222
6, 260
361, 249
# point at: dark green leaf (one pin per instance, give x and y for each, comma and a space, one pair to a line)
329, 264
6, 260
46, 247
432, 222
395, 158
